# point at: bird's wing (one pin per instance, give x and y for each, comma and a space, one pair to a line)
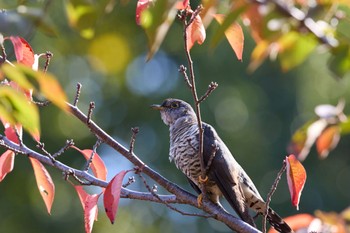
224, 170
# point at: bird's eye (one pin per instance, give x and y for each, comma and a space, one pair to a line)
174, 105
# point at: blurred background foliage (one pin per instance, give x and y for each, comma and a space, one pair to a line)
98, 44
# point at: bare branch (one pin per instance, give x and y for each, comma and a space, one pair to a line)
195, 96
153, 191
272, 191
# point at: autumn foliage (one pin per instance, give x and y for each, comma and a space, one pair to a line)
286, 33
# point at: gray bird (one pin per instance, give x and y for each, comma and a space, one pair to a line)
225, 176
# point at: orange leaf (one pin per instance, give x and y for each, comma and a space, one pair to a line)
234, 35
24, 53
327, 141
89, 203
112, 195
44, 182
97, 165
296, 177
195, 32
7, 161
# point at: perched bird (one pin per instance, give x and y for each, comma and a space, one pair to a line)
225, 177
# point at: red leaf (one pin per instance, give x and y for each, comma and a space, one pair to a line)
296, 177
24, 53
90, 211
10, 132
195, 32
44, 182
327, 141
7, 161
234, 35
97, 165
112, 195
89, 203
140, 7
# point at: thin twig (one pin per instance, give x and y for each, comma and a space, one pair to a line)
48, 56
91, 108
41, 146
77, 94
182, 70
130, 181
272, 191
69, 143
195, 96
72, 174
3, 56
134, 131
212, 86
153, 192
94, 149
41, 103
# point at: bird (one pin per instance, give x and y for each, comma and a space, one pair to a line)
224, 176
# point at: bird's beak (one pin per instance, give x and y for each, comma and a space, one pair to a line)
157, 107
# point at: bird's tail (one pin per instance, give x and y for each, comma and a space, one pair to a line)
277, 222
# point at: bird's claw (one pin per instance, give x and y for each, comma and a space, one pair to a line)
200, 200
202, 180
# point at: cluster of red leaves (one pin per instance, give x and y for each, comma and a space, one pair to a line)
196, 32
25, 55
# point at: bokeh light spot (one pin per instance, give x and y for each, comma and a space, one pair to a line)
109, 53
156, 77
231, 114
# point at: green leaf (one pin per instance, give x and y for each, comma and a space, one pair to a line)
38, 81
156, 21
16, 75
15, 108
339, 63
294, 48
82, 15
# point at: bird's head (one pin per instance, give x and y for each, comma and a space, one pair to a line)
174, 109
